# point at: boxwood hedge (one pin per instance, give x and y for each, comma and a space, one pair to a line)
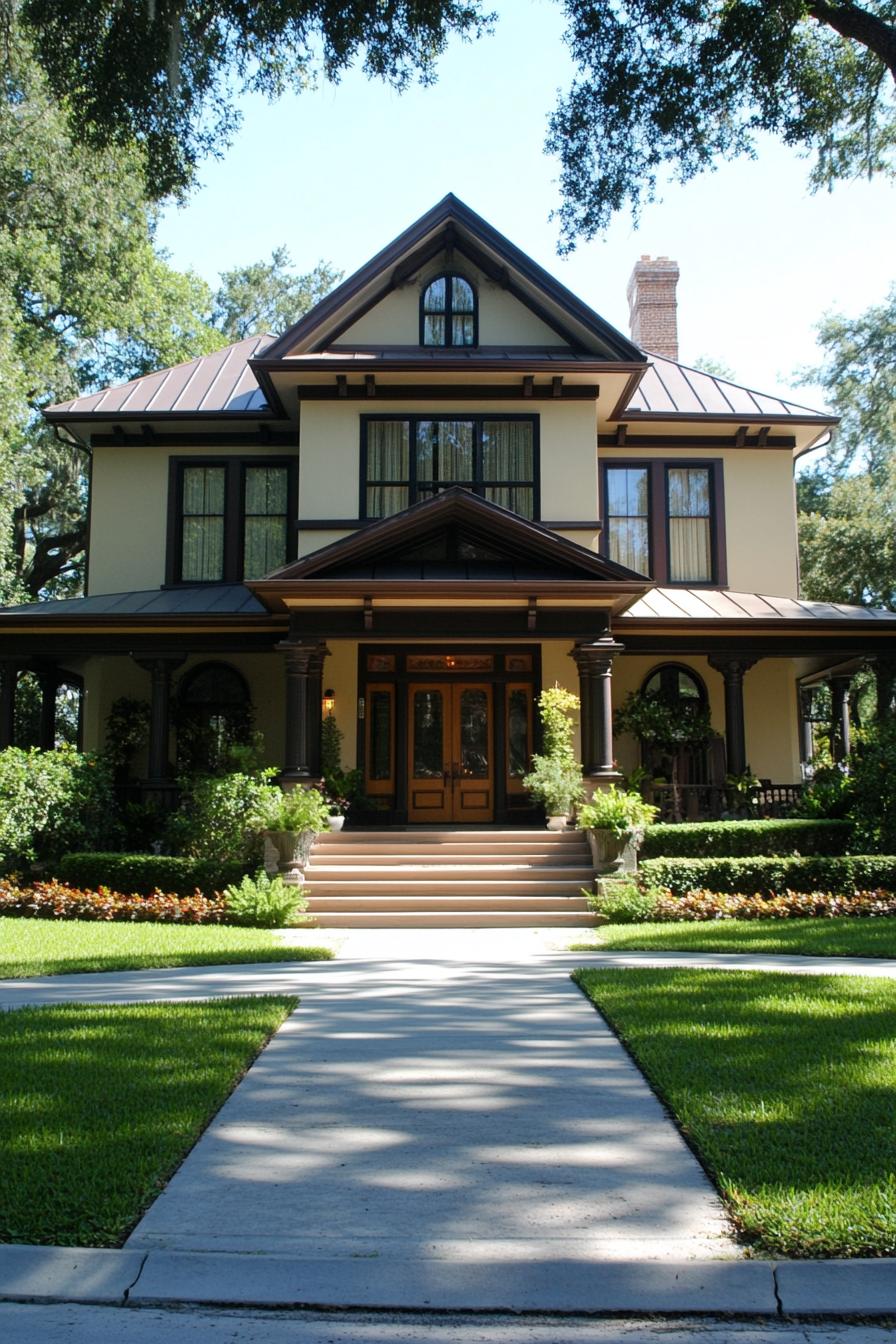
734, 839
768, 875
141, 874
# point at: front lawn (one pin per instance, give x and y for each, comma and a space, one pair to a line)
814, 937
101, 1104
783, 1084
67, 946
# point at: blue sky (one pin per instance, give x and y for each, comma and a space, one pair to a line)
336, 172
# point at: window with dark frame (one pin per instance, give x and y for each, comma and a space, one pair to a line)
448, 312
230, 519
666, 519
415, 457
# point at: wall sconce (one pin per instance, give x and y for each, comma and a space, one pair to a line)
328, 704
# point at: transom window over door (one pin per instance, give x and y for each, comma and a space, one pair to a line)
448, 315
230, 520
413, 458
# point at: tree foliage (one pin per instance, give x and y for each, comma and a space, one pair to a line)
164, 73
268, 295
848, 552
685, 83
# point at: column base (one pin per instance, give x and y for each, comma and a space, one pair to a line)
600, 781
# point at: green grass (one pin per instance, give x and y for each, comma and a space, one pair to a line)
100, 1105
66, 946
815, 937
783, 1084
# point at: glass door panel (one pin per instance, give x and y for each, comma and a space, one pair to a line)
450, 735
471, 759
429, 782
519, 723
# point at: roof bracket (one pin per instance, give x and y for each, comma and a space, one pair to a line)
341, 385
370, 384
621, 431
740, 437
528, 385
368, 613
532, 614
762, 436
557, 387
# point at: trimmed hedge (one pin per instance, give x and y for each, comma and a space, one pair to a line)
709, 905
54, 900
767, 876
142, 874
735, 839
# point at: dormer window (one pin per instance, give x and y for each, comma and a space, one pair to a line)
448, 313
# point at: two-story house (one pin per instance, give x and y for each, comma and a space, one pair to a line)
448, 485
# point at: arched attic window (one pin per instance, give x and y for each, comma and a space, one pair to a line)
449, 314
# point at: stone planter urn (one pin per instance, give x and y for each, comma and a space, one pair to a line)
336, 823
557, 822
612, 852
293, 849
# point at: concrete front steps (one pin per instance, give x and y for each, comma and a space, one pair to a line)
451, 878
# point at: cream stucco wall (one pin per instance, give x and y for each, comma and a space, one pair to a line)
503, 320
129, 513
330, 456
760, 513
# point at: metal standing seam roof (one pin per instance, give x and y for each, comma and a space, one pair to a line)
219, 383
715, 604
670, 388
224, 599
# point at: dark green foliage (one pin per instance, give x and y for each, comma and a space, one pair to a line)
144, 873
167, 75
732, 839
623, 903
263, 902
217, 818
873, 780
770, 875
687, 83
51, 801
107, 1101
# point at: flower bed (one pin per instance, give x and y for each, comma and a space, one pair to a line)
54, 900
709, 905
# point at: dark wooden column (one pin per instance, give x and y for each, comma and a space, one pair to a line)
48, 681
841, 742
9, 676
733, 668
304, 660
595, 665
161, 668
885, 677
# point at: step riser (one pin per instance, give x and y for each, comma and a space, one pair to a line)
326, 859
417, 887
446, 872
412, 905
459, 920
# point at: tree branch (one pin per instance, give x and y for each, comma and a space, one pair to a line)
861, 26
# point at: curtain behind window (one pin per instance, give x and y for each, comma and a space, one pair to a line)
388, 467
508, 455
627, 508
265, 524
202, 553
690, 532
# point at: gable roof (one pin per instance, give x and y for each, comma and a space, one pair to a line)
452, 224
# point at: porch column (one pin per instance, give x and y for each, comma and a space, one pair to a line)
840, 728
160, 669
304, 662
884, 676
595, 666
808, 741
9, 676
48, 681
733, 669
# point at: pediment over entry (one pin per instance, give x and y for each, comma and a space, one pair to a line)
455, 542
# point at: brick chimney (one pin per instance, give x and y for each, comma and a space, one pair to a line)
653, 307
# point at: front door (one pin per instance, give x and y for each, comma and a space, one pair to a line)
450, 753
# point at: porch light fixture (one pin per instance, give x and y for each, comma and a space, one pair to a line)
328, 704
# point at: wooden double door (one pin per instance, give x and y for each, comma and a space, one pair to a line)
451, 768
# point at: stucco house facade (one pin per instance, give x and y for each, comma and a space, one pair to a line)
447, 486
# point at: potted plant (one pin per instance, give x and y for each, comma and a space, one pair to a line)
614, 821
336, 810
556, 776
291, 821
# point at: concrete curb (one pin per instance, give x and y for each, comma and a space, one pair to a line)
762, 1288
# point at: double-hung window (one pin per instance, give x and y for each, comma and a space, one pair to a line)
230, 519
410, 458
666, 519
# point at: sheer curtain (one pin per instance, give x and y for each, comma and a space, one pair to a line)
202, 551
508, 457
264, 535
388, 467
690, 533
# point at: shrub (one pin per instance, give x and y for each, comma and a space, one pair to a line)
873, 782
217, 818
55, 900
830, 794
263, 902
733, 839
706, 905
556, 776
300, 810
145, 873
51, 801
615, 810
771, 875
624, 903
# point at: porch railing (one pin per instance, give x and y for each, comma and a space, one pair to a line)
715, 802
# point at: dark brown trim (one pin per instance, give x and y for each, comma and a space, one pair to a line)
264, 438
448, 391
732, 417
658, 529
574, 524
466, 361
330, 524
692, 442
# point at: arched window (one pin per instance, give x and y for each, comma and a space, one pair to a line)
682, 782
448, 313
674, 682
214, 713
